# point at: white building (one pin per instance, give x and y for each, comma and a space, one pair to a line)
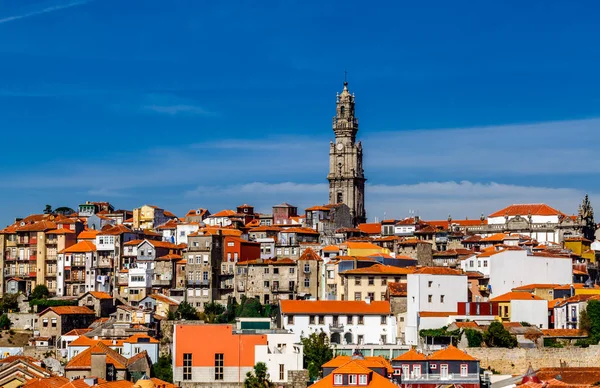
523, 307
183, 230
566, 313
433, 292
76, 272
514, 267
281, 354
344, 322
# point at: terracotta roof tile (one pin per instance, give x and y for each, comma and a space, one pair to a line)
515, 295
68, 310
411, 355
80, 247
310, 254
99, 294
397, 289
563, 333
437, 271
451, 353
370, 228
380, 269
84, 359
362, 245
436, 314
291, 307
535, 209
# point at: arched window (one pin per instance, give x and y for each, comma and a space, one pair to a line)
340, 198
342, 110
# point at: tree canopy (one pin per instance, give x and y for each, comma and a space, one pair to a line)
40, 292
497, 336
317, 351
259, 378
163, 369
186, 311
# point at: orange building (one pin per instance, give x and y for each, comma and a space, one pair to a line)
213, 353
237, 249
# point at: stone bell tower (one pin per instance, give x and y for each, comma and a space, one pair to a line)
346, 175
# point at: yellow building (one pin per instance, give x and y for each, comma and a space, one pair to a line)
581, 247
544, 291
370, 282
365, 249
148, 217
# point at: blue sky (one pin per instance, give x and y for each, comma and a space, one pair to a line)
465, 107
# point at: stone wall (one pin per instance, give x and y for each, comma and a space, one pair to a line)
516, 361
166, 330
22, 321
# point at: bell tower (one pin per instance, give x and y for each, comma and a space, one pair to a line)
346, 175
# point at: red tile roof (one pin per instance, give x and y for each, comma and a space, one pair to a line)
291, 307
80, 247
535, 209
370, 228
397, 289
436, 314
515, 295
88, 234
379, 269
68, 310
437, 271
451, 353
563, 333
84, 359
310, 254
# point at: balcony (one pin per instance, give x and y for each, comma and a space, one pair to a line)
8, 258
281, 289
198, 283
51, 274
226, 287
51, 241
32, 274
438, 377
9, 272
107, 263
336, 328
51, 258
161, 282
78, 264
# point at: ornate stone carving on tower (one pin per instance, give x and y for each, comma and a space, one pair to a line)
346, 175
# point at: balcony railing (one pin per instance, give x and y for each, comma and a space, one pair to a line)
200, 283
439, 377
281, 289
105, 263
161, 282
51, 241
9, 272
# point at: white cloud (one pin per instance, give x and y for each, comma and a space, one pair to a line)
53, 8
173, 105
429, 199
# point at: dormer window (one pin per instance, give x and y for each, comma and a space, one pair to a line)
352, 380
362, 380
338, 379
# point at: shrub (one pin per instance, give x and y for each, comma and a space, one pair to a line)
474, 338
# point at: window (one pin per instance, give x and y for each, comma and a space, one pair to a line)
53, 322
218, 366
417, 371
441, 298
45, 322
429, 284
361, 339
321, 319
290, 319
430, 298
383, 296
230, 244
281, 372
383, 281
266, 284
444, 371
352, 380
357, 281
362, 379
311, 319
464, 370
471, 264
306, 268
383, 319
266, 270
306, 282
228, 256
205, 276
292, 270
478, 263
275, 271
371, 280
361, 319
405, 371
383, 339
371, 296
187, 366
338, 379
485, 263
357, 296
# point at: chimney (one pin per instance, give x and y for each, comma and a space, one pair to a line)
98, 367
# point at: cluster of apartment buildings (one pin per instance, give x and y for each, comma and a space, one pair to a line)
373, 286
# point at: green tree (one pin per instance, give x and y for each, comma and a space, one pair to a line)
474, 338
5, 322
593, 313
585, 324
186, 311
163, 369
40, 292
250, 308
64, 210
9, 302
317, 351
497, 336
48, 209
259, 378
212, 312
